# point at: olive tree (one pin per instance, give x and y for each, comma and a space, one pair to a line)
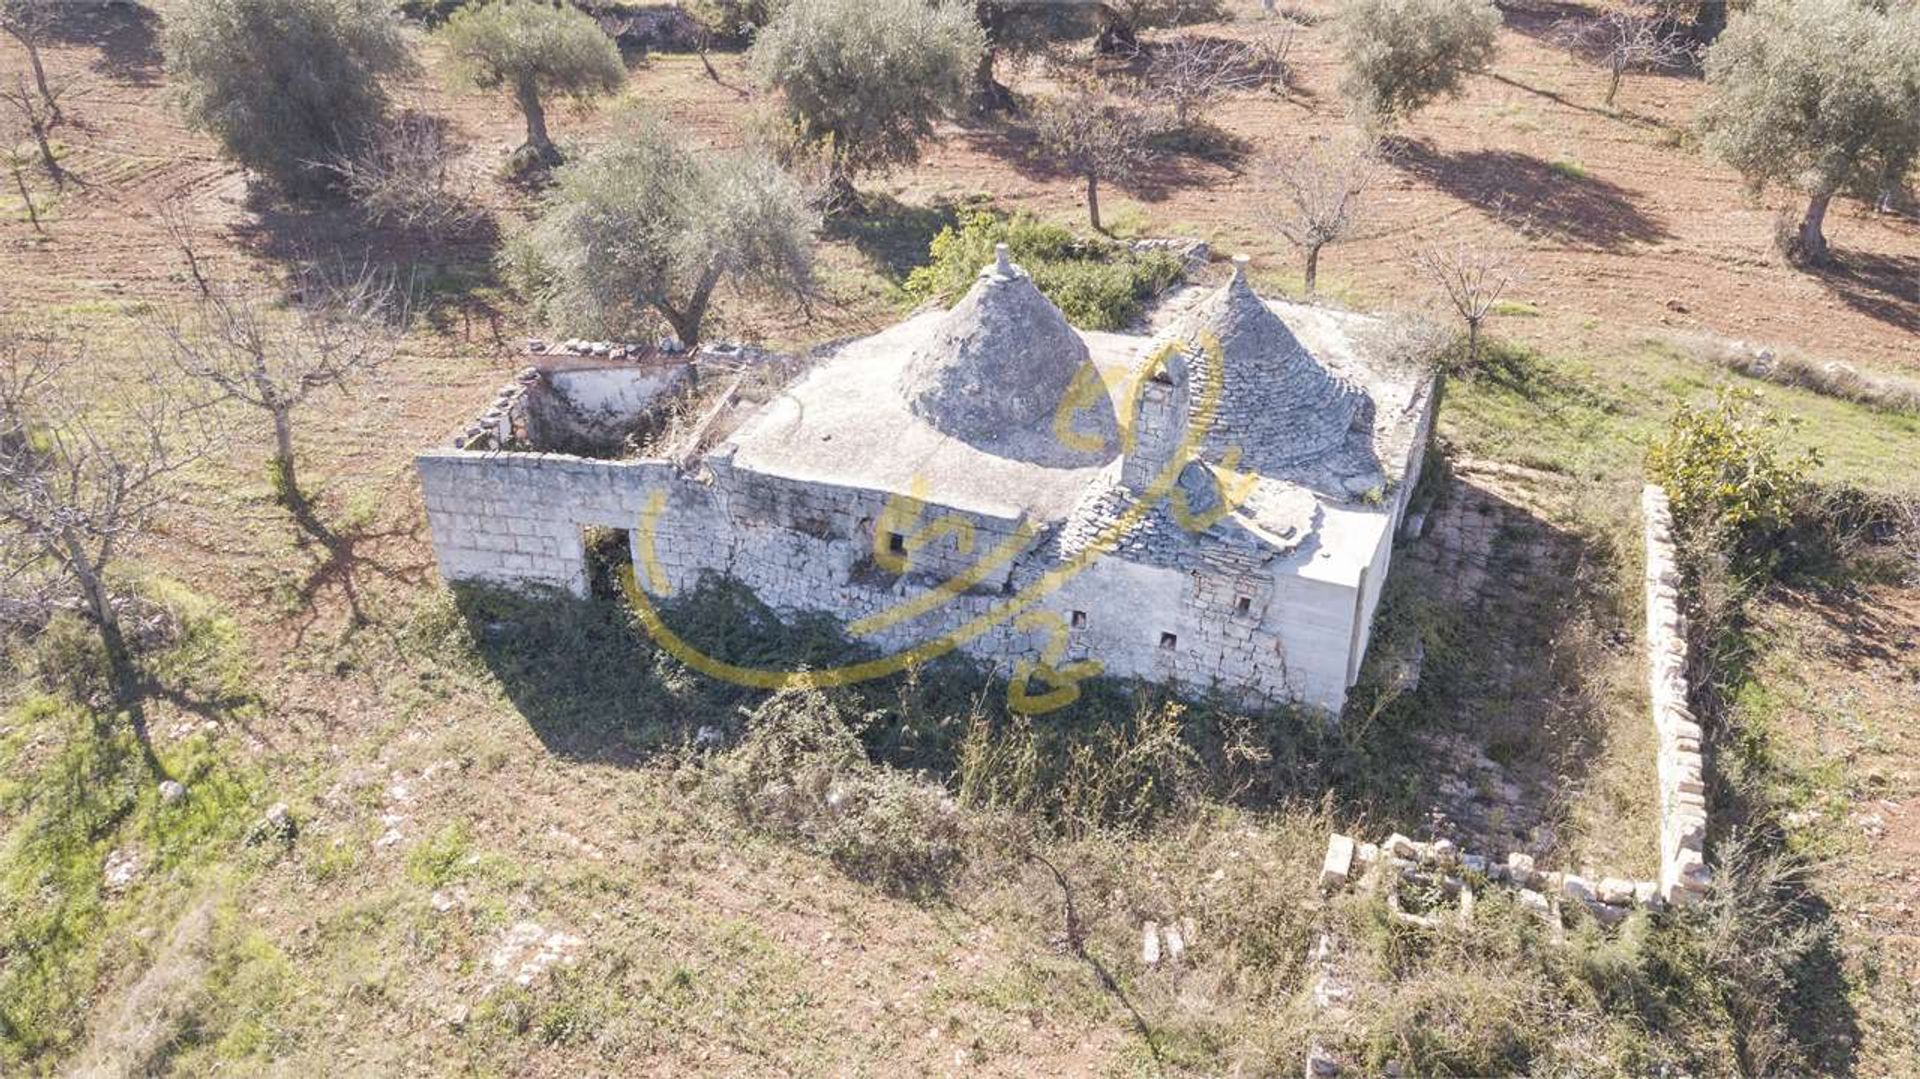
648, 228
1122, 20
534, 51
1817, 95
868, 79
1095, 138
286, 86
1402, 55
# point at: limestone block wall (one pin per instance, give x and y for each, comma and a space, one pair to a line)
1684, 875
515, 518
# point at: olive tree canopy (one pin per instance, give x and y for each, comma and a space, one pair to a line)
646, 229
533, 50
1401, 55
869, 78
287, 86
1818, 95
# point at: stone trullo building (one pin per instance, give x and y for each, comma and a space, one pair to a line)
1214, 506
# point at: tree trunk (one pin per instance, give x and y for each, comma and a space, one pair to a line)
840, 196
1473, 344
1093, 203
1613, 82
52, 163
26, 196
284, 479
537, 140
1813, 240
687, 319
40, 78
1117, 37
1313, 269
990, 96
126, 681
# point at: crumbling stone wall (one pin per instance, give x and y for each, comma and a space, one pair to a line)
1684, 875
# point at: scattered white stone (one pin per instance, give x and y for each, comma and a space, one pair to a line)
121, 867
1176, 944
171, 791
1150, 943
1338, 866
528, 951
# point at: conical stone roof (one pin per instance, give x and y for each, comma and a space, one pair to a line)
1277, 403
998, 363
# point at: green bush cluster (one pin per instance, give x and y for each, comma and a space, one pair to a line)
1729, 476
1098, 284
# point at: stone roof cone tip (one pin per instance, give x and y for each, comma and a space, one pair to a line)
1278, 403
1000, 360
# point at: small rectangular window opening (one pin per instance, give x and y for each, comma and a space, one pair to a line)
896, 543
1243, 605
1079, 619
1169, 641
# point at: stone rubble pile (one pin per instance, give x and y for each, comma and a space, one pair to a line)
1457, 873
1684, 876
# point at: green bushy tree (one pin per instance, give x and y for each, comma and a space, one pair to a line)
869, 78
286, 86
648, 228
1818, 95
1097, 284
1402, 55
535, 51
1729, 477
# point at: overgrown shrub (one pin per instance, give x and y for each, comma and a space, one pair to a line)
286, 86
1099, 285
1117, 776
802, 773
1729, 476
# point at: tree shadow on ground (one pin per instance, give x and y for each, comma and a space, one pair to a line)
1883, 287
1162, 174
127, 35
1560, 201
452, 274
892, 234
342, 558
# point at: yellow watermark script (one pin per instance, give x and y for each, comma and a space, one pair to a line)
1038, 685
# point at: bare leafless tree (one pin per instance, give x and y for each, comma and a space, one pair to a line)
29, 22
1626, 38
1316, 195
1471, 277
1095, 137
254, 351
17, 167
1189, 73
403, 176
178, 222
36, 118
83, 472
